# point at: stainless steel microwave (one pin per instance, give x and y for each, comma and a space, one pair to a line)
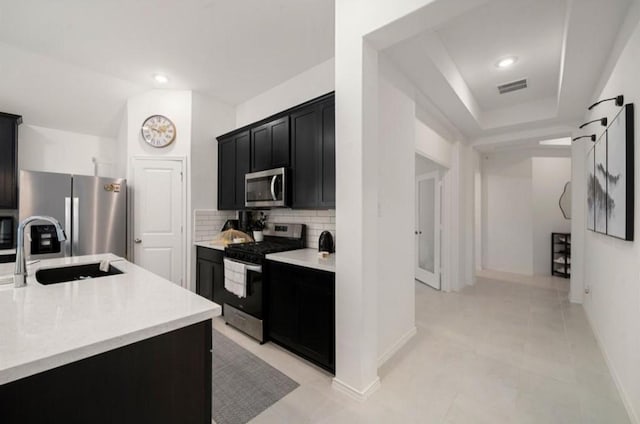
266, 188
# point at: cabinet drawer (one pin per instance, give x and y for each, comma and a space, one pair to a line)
212, 255
244, 322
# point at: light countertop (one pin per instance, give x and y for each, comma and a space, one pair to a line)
210, 245
43, 327
305, 257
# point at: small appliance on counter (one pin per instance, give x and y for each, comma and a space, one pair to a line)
325, 242
245, 218
231, 224
6, 232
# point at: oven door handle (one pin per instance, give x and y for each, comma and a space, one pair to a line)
255, 268
248, 265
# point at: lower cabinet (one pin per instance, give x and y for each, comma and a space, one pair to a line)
210, 274
165, 379
301, 312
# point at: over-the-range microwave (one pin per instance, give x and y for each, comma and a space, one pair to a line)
266, 188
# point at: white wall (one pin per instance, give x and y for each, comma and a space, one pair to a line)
312, 83
431, 145
51, 150
396, 190
198, 119
424, 165
549, 175
177, 106
520, 193
477, 210
468, 165
610, 267
507, 214
357, 152
210, 119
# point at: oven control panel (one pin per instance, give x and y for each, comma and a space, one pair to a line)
284, 230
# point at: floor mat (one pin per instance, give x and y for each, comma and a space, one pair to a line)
243, 384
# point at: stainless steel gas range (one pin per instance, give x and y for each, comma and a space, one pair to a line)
247, 314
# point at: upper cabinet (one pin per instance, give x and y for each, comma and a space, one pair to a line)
270, 145
9, 160
234, 155
301, 138
313, 157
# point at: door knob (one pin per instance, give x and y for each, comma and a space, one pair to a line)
137, 241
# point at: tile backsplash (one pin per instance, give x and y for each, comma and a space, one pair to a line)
208, 222
316, 221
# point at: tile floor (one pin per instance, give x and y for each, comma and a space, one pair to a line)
507, 350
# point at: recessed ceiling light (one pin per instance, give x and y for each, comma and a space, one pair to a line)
565, 141
161, 79
506, 62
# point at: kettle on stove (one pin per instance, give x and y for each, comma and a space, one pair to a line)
325, 243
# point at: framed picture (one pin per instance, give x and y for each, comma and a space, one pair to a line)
620, 175
591, 196
600, 184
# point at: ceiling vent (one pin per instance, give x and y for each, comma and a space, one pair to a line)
512, 86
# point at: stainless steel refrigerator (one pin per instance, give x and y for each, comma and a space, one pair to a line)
92, 210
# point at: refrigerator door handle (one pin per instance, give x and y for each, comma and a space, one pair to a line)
75, 232
67, 225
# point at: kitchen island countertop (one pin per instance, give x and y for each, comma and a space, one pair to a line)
46, 326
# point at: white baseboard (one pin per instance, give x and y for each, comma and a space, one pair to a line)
576, 299
354, 393
623, 394
404, 339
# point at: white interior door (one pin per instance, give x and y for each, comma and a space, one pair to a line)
427, 232
158, 199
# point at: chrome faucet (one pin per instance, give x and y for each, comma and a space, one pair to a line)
20, 274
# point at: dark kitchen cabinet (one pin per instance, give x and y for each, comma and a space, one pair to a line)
234, 155
9, 160
165, 379
210, 274
301, 312
270, 145
327, 177
301, 138
313, 164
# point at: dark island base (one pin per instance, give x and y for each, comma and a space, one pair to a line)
164, 379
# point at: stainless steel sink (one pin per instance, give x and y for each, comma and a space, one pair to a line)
73, 273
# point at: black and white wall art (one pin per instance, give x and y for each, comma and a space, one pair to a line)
591, 183
600, 184
620, 175
610, 178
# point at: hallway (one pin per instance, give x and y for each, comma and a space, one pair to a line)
504, 352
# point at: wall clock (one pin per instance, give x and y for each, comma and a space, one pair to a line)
158, 131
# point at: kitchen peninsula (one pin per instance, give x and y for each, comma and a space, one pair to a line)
123, 348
